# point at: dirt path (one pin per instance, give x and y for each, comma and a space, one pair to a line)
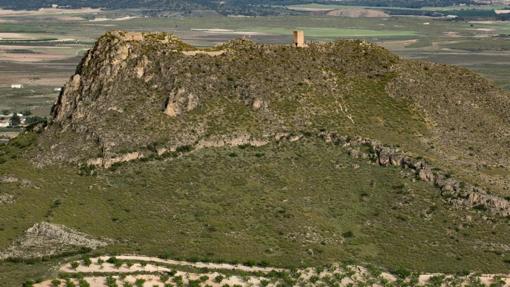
216, 266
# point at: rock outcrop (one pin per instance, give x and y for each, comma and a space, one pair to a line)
452, 190
45, 240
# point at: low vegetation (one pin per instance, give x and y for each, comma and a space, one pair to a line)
166, 154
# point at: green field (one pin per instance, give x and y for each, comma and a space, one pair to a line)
332, 33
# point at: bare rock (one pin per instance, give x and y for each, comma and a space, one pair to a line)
12, 179
384, 156
46, 239
6, 198
425, 174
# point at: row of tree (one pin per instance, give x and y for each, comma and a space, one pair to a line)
22, 119
221, 6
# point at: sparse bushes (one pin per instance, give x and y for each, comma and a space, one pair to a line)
178, 280
184, 149
218, 279
87, 170
83, 283
249, 263
86, 261
314, 279
401, 273
164, 278
70, 283
56, 203
111, 282
116, 262
74, 265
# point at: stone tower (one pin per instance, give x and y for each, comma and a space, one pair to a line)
299, 39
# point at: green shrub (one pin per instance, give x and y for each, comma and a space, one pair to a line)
111, 282
86, 261
401, 272
164, 278
184, 149
112, 260
314, 279
218, 278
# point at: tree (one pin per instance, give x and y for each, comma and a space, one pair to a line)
15, 120
34, 120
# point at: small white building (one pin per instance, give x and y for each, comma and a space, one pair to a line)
16, 86
5, 120
502, 12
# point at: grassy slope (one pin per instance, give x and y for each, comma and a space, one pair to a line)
288, 205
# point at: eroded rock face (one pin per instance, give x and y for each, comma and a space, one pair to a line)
181, 101
46, 239
6, 198
24, 183
454, 191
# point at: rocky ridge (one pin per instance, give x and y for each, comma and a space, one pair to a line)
454, 191
46, 239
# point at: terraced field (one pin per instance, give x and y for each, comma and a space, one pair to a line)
132, 270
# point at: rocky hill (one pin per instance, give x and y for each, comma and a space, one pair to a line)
150, 93
335, 151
